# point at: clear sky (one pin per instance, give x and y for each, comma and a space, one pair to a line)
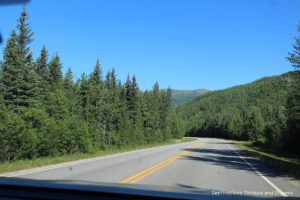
185, 44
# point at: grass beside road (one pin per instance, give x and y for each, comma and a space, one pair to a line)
287, 163
29, 164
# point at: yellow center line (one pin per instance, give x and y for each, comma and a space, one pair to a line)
142, 174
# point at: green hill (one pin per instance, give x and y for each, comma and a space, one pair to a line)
253, 111
180, 97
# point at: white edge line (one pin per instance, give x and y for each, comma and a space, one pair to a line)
258, 173
60, 165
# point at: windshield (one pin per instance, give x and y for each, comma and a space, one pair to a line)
198, 96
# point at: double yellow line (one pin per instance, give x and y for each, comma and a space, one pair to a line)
142, 174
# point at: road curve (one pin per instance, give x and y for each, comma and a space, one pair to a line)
207, 164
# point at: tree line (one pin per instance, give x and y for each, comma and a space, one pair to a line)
266, 111
293, 101
46, 113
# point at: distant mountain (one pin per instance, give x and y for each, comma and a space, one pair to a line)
180, 97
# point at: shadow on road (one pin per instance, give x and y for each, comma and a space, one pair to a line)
229, 159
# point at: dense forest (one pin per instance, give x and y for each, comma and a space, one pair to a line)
45, 113
266, 111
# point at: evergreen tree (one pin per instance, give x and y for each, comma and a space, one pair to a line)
113, 78
68, 81
18, 78
84, 97
55, 71
254, 124
12, 75
71, 92
294, 57
164, 104
131, 96
155, 111
96, 99
42, 70
293, 102
29, 79
25, 36
107, 80
32, 83
96, 76
147, 116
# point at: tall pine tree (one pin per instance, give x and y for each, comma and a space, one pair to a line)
19, 80
12, 76
42, 70
96, 76
55, 71
293, 102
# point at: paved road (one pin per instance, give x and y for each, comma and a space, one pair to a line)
212, 165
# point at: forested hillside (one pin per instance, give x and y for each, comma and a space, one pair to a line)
180, 97
45, 113
266, 111
254, 111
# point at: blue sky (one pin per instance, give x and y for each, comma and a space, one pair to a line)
185, 44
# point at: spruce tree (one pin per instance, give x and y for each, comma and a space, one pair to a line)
96, 76
155, 111
68, 81
25, 35
146, 116
42, 70
18, 79
113, 78
107, 80
127, 90
55, 71
96, 95
29, 79
293, 102
164, 104
84, 97
294, 57
12, 76
32, 83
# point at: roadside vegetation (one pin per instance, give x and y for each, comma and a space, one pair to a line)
45, 113
279, 160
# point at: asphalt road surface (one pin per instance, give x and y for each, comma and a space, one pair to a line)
212, 165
